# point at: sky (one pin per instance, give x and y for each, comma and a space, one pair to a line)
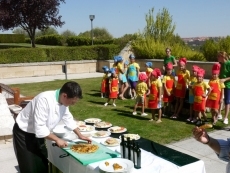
193, 18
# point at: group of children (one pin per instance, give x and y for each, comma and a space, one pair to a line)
163, 92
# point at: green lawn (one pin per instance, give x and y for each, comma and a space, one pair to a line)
22, 45
92, 106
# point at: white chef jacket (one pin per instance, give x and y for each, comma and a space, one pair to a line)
43, 113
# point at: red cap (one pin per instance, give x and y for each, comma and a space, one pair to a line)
195, 68
201, 72
169, 66
216, 68
142, 76
182, 61
156, 72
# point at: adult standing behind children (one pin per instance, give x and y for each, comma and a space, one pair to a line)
36, 121
223, 59
169, 59
132, 75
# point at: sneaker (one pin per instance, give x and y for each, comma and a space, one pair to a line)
199, 122
194, 121
132, 98
158, 121
102, 97
144, 114
134, 113
151, 120
114, 105
189, 119
219, 117
225, 121
105, 104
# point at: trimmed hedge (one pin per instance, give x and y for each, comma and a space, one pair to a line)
25, 55
49, 40
84, 41
12, 38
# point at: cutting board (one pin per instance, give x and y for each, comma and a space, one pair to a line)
102, 153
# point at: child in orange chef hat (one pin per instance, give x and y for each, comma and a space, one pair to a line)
168, 87
155, 94
199, 91
216, 95
183, 76
141, 90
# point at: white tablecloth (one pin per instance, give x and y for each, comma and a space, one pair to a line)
149, 163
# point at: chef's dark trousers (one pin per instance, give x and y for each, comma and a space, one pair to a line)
31, 152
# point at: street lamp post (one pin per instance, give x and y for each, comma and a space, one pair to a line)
91, 17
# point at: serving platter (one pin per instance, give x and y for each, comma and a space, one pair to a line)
85, 128
101, 134
117, 129
132, 136
102, 124
117, 142
92, 120
126, 164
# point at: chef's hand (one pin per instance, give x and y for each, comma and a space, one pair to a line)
61, 143
85, 138
200, 135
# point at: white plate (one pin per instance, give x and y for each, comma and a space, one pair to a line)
126, 164
111, 145
93, 120
117, 129
132, 136
102, 124
80, 123
106, 134
15, 107
85, 128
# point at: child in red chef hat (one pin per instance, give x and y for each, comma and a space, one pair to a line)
155, 94
199, 91
141, 90
183, 76
216, 95
168, 87
192, 80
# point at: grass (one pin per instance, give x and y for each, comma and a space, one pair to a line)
22, 45
92, 106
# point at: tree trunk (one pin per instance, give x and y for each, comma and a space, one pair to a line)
33, 42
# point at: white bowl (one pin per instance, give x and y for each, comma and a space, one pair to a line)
60, 131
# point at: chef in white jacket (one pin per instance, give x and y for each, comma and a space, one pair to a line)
36, 121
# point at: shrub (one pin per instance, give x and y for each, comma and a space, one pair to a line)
12, 38
49, 40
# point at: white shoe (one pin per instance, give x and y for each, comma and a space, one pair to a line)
144, 114
102, 97
219, 117
105, 104
134, 113
114, 105
225, 121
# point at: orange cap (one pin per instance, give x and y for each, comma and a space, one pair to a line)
182, 61
201, 72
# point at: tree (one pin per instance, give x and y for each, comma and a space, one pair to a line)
20, 31
47, 31
68, 33
161, 27
30, 15
98, 33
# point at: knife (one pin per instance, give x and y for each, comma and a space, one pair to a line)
70, 143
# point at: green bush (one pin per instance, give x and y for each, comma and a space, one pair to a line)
55, 40
12, 38
150, 49
25, 55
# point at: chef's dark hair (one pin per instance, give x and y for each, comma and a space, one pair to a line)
72, 89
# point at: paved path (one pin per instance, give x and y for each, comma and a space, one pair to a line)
8, 162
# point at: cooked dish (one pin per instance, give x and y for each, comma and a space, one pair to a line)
100, 133
117, 129
116, 166
84, 148
106, 163
103, 124
111, 141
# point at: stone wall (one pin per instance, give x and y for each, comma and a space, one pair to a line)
73, 67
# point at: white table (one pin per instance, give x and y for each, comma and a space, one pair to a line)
150, 163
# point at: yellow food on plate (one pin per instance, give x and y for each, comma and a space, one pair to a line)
206, 126
116, 166
101, 133
106, 163
84, 148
